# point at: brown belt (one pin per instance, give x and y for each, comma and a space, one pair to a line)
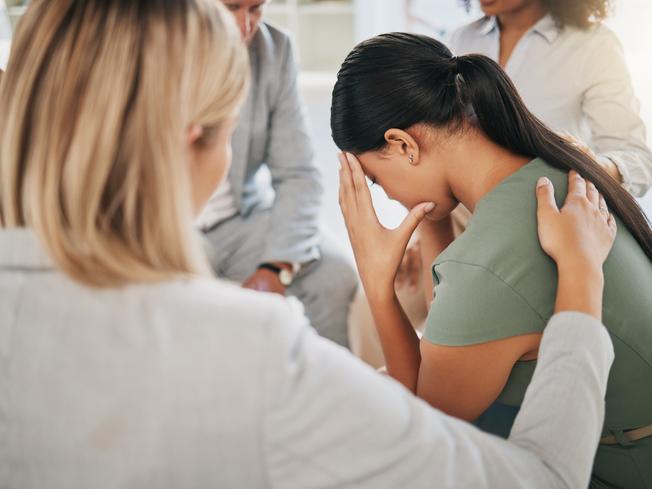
628, 436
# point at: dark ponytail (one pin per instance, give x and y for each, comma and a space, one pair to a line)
398, 80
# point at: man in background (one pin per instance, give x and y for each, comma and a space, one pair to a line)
262, 222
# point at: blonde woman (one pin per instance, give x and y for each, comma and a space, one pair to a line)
124, 364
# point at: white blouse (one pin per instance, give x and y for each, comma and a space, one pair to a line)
201, 384
576, 81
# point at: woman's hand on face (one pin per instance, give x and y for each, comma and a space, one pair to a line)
582, 232
378, 250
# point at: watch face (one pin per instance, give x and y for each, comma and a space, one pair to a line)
285, 276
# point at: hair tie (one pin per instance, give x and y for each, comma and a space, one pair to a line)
455, 64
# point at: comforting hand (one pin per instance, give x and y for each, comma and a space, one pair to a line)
583, 231
264, 280
378, 250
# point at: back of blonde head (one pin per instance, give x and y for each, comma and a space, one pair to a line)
96, 101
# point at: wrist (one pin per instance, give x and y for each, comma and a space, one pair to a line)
580, 291
610, 166
581, 267
380, 295
284, 273
282, 264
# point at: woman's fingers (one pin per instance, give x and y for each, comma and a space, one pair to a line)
592, 194
357, 208
347, 191
356, 172
416, 215
359, 181
611, 221
576, 184
546, 196
602, 205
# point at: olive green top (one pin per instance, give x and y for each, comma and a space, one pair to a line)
495, 281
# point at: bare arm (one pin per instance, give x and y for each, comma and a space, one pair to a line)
398, 339
464, 381
378, 253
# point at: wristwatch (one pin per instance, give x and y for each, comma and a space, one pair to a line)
285, 276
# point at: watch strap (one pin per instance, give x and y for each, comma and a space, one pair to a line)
269, 266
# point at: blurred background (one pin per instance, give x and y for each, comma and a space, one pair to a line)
325, 30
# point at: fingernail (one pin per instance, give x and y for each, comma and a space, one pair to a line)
430, 206
543, 181
349, 157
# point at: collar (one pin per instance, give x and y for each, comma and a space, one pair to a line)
486, 25
20, 248
545, 27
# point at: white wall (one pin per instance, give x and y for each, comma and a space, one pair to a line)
432, 17
5, 35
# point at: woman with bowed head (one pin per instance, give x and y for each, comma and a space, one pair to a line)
435, 130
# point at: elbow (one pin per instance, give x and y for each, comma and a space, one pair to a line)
467, 410
557, 480
551, 471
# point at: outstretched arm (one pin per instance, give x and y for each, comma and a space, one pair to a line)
369, 432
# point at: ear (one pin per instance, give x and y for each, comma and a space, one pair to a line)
401, 145
193, 133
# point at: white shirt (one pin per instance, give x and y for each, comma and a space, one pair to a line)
220, 207
576, 81
200, 384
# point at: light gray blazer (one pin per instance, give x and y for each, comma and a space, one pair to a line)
273, 132
200, 384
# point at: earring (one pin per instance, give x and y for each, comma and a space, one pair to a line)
411, 158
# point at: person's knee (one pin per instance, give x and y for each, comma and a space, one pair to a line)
210, 250
327, 290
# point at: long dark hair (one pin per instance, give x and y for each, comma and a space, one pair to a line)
398, 80
575, 13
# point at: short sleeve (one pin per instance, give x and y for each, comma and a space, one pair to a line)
473, 305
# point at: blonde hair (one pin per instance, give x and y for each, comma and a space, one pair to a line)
95, 104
